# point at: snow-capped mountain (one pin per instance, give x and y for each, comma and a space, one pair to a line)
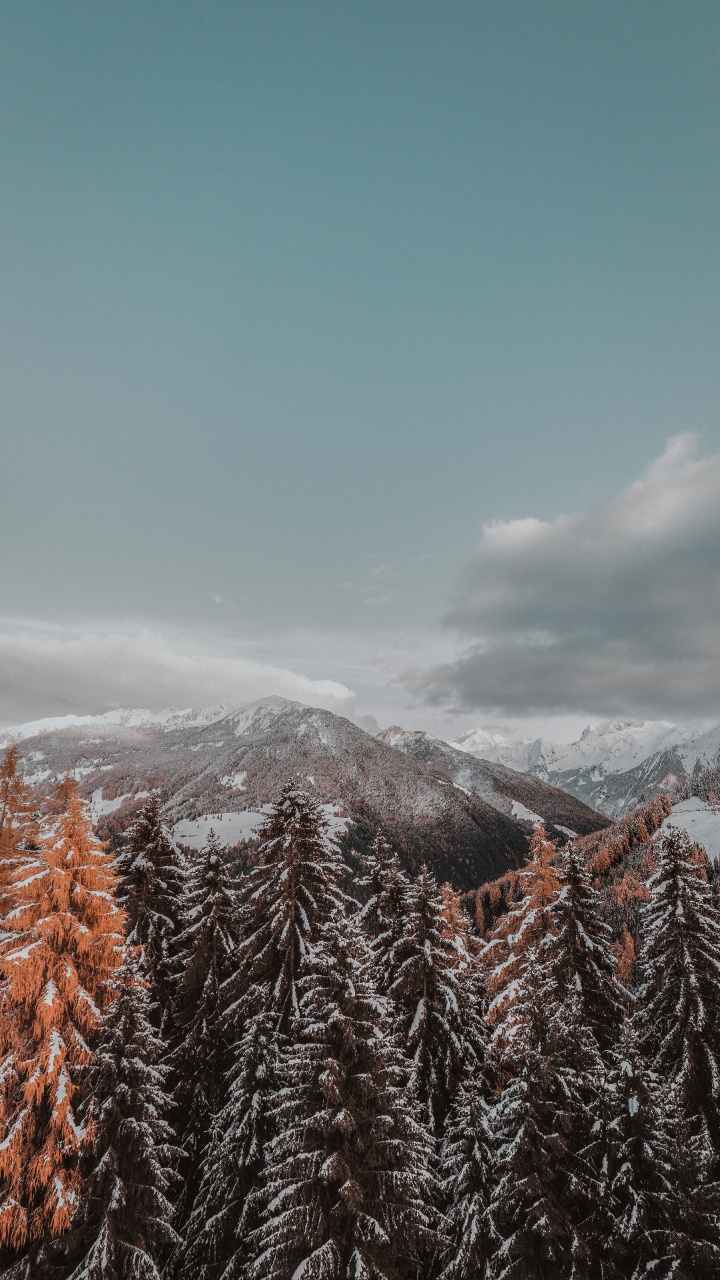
520, 795
221, 765
613, 767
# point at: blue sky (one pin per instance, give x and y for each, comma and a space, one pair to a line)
296, 299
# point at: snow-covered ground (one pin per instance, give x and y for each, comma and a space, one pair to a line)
526, 815
701, 822
231, 828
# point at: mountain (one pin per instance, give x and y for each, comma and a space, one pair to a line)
613, 767
518, 795
220, 766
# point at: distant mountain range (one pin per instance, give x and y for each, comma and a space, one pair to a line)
613, 767
470, 820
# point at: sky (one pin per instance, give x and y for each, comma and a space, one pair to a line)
366, 354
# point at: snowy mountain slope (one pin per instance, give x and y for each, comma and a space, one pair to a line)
700, 820
613, 767
519, 795
231, 761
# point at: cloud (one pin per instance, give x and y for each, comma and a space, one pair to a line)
52, 670
614, 610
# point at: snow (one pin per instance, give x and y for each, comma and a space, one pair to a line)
99, 807
235, 781
701, 822
526, 815
231, 828
568, 830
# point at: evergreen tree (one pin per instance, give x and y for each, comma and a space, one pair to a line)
679, 996
439, 1008
347, 1190
643, 1223
551, 1203
467, 1180
286, 899
122, 1227
545, 1185
206, 959
383, 914
151, 888
579, 953
56, 967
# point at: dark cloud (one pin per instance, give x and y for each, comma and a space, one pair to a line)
613, 610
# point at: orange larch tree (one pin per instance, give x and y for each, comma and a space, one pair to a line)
62, 941
514, 934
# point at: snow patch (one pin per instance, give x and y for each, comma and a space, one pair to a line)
526, 815
701, 822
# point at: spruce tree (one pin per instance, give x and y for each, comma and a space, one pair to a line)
679, 995
286, 899
579, 953
347, 1190
151, 889
206, 959
468, 1160
545, 1185
642, 1219
122, 1228
439, 1009
383, 914
550, 1205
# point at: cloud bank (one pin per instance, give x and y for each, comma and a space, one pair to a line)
614, 610
51, 670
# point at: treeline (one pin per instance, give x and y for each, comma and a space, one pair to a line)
207, 1080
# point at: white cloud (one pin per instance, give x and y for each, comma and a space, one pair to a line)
52, 670
611, 610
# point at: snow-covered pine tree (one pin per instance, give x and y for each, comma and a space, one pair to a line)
579, 953
642, 1218
285, 901
679, 994
199, 1058
545, 1186
151, 891
347, 1191
56, 967
383, 914
514, 936
122, 1227
439, 1011
467, 1178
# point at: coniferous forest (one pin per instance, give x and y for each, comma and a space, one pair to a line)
292, 1072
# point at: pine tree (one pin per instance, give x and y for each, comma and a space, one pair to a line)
545, 1184
439, 1010
643, 1196
56, 966
347, 1190
467, 1178
122, 1228
152, 887
679, 996
383, 914
286, 899
580, 955
206, 959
